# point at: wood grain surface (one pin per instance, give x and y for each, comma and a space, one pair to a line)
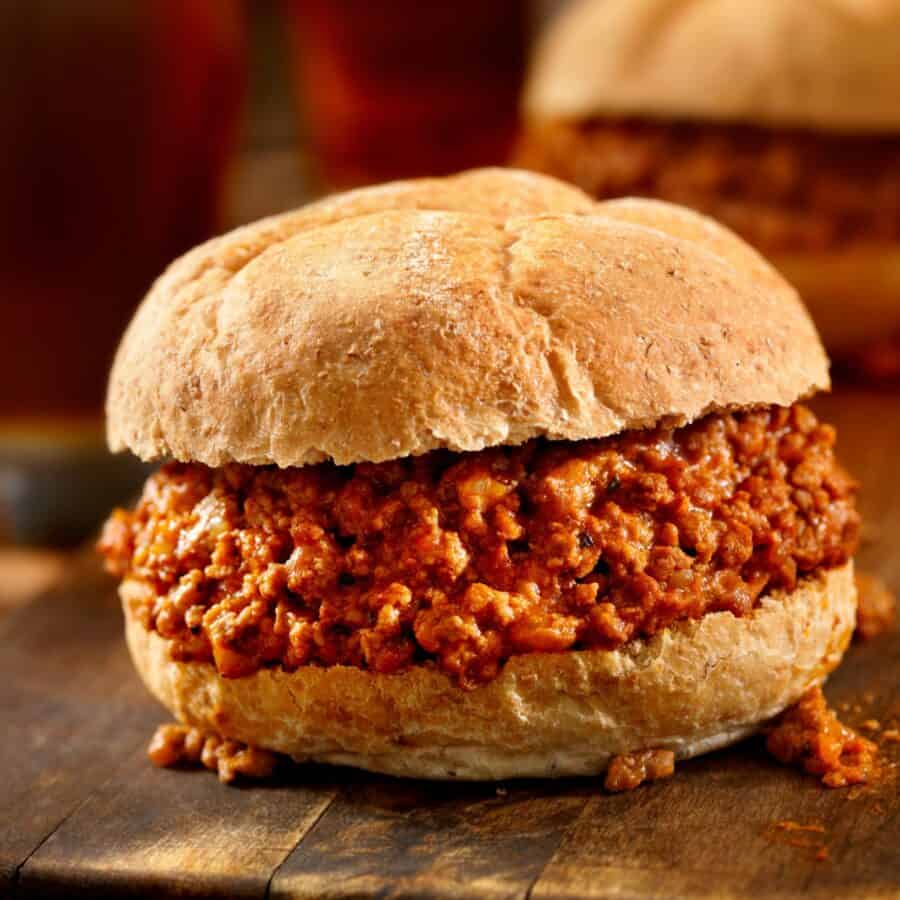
83, 814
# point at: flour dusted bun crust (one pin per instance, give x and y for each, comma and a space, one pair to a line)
460, 313
692, 688
463, 313
830, 65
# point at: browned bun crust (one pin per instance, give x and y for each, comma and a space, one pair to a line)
852, 294
484, 309
821, 64
692, 688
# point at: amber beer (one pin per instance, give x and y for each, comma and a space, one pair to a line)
115, 129
407, 88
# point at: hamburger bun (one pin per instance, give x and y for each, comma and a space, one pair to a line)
463, 313
826, 65
853, 294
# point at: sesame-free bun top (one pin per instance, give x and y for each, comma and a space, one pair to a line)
821, 64
483, 309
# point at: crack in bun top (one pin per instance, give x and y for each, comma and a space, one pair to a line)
466, 312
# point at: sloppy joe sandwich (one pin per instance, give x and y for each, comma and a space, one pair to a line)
477, 478
780, 118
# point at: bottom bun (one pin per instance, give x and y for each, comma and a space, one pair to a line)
853, 295
694, 687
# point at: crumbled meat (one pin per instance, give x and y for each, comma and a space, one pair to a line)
809, 735
631, 770
780, 189
468, 559
804, 837
790, 825
174, 745
876, 606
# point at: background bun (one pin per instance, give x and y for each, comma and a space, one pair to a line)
823, 64
488, 308
852, 293
694, 687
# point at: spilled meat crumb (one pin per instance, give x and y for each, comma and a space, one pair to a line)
809, 735
178, 745
631, 770
807, 837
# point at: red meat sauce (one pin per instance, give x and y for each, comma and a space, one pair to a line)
180, 745
464, 560
631, 770
809, 735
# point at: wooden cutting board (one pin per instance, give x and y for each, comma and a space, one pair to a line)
83, 814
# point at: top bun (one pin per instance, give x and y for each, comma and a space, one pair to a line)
488, 308
821, 64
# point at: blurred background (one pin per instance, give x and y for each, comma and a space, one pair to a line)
131, 130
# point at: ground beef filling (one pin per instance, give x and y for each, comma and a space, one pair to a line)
465, 560
809, 735
631, 770
181, 745
782, 190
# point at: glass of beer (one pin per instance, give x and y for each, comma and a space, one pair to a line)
115, 131
406, 88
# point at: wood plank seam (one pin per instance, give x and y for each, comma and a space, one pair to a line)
529, 891
87, 797
99, 870
563, 837
18, 870
300, 840
56, 827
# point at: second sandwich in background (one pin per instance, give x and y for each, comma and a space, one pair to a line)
781, 118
